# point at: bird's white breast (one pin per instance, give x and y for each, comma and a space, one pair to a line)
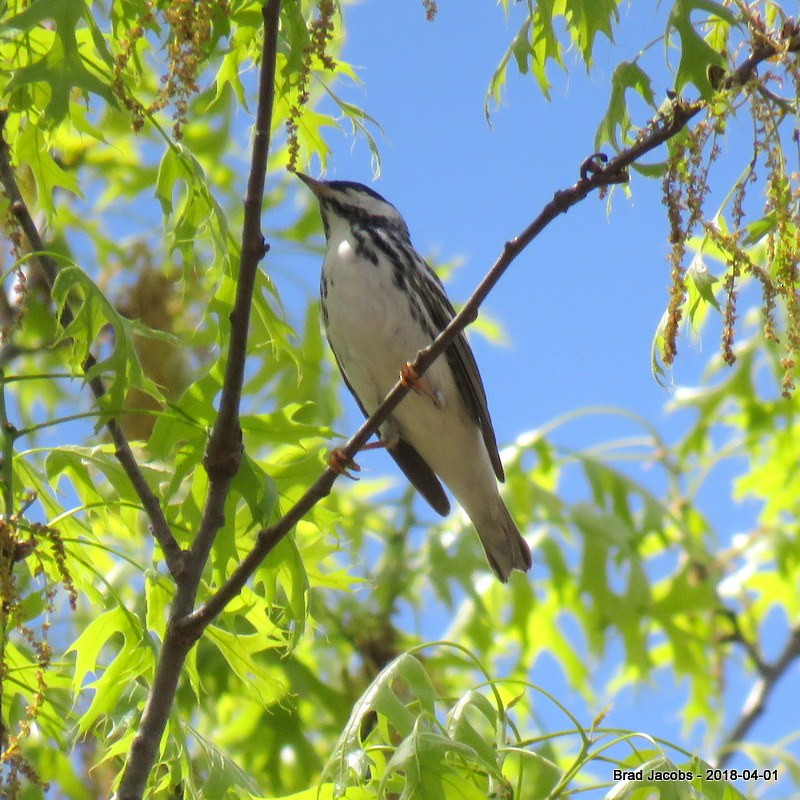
369, 326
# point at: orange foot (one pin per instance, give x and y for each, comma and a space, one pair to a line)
410, 378
342, 464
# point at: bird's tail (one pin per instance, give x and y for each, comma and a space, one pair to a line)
502, 542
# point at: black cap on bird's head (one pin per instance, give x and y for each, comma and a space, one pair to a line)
354, 203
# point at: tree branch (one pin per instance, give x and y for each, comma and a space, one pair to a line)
224, 451
597, 172
769, 675
158, 521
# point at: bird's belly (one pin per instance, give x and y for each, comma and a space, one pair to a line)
450, 442
373, 334
369, 325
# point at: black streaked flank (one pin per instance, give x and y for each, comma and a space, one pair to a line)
362, 238
323, 293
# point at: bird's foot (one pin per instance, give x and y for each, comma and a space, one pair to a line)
341, 464
410, 378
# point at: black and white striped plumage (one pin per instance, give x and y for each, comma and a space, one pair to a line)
381, 304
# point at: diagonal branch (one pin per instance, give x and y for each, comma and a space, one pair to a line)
769, 674
158, 521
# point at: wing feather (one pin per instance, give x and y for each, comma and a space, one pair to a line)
422, 477
412, 464
460, 358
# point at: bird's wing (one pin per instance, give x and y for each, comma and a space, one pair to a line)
412, 464
460, 358
422, 477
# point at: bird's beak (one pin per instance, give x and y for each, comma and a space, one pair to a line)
316, 187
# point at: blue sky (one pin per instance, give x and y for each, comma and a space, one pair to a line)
580, 306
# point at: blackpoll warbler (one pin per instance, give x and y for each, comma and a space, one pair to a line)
381, 304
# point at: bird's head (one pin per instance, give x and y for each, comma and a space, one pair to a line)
346, 204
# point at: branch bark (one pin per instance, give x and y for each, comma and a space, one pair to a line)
224, 451
595, 175
769, 675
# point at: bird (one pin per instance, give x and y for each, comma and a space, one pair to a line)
381, 303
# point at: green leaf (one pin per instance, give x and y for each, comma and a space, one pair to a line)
587, 18
187, 421
615, 126
702, 281
543, 46
133, 660
427, 761
157, 596
657, 367
759, 228
221, 773
460, 729
240, 651
257, 489
360, 122
61, 68
536, 41
380, 697
327, 791
171, 169
31, 148
696, 54
91, 642
494, 91
183, 190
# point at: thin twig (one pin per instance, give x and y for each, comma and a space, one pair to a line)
769, 675
224, 452
737, 636
596, 173
8, 434
158, 521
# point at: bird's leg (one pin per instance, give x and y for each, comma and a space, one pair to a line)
378, 444
410, 378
